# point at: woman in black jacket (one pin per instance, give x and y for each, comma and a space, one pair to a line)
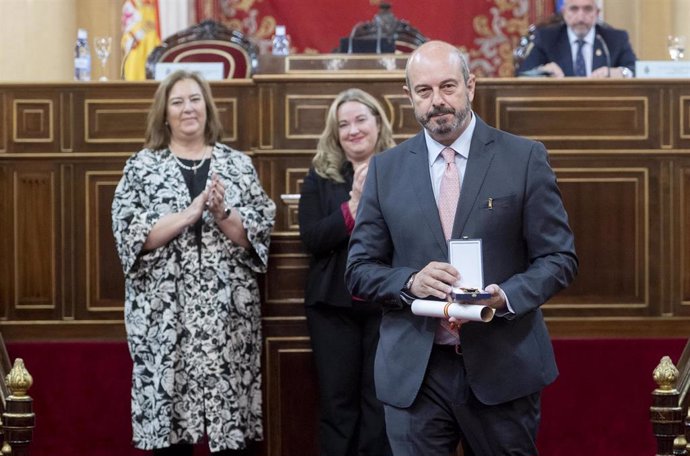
344, 330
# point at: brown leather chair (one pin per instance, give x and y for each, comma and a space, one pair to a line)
385, 26
525, 43
208, 41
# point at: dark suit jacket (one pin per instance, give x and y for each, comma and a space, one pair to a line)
325, 237
551, 45
528, 250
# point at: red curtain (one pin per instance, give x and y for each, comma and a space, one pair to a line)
487, 30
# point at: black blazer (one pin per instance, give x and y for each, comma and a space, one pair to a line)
551, 45
324, 235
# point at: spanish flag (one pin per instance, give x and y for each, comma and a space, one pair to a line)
140, 35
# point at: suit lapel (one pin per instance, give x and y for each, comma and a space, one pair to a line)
419, 157
478, 162
566, 60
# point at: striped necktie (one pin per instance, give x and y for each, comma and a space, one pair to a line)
449, 194
580, 67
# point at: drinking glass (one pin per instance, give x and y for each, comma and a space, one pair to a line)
102, 45
676, 47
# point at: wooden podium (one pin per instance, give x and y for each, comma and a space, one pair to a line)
620, 149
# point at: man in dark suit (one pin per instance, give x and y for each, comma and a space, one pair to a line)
602, 50
482, 386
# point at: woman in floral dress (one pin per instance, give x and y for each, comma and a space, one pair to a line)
192, 227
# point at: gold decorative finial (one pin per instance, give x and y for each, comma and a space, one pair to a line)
18, 380
6, 449
666, 375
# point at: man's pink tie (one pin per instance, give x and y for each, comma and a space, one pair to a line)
448, 197
449, 192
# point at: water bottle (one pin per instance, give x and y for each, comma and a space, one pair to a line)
82, 57
281, 42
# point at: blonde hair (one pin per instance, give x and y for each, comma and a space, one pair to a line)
330, 156
157, 129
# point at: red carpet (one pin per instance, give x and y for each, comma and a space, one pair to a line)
599, 406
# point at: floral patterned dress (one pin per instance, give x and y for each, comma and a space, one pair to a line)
193, 319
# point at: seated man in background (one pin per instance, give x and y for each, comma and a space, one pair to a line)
580, 46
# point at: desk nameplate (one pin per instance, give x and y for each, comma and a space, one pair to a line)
662, 69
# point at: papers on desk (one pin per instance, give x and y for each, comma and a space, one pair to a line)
443, 309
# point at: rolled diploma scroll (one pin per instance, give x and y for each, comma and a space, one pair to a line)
443, 309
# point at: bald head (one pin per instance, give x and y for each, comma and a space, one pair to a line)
432, 52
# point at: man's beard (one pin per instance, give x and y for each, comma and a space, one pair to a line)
581, 29
441, 126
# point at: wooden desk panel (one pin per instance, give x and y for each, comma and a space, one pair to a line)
591, 115
619, 149
612, 239
293, 112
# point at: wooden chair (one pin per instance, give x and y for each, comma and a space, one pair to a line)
385, 25
207, 41
669, 410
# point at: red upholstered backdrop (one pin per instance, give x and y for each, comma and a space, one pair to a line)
599, 406
488, 30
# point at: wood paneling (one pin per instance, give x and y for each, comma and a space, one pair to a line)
612, 239
619, 149
290, 390
683, 246
560, 118
115, 121
35, 250
104, 290
283, 289
284, 171
34, 119
292, 112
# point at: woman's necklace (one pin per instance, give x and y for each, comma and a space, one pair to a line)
193, 167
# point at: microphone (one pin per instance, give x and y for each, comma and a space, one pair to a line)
528, 40
528, 50
352, 36
606, 53
377, 21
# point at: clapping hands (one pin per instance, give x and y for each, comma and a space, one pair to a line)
357, 186
216, 198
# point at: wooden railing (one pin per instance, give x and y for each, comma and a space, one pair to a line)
669, 410
18, 419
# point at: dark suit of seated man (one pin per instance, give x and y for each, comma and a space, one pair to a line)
555, 48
